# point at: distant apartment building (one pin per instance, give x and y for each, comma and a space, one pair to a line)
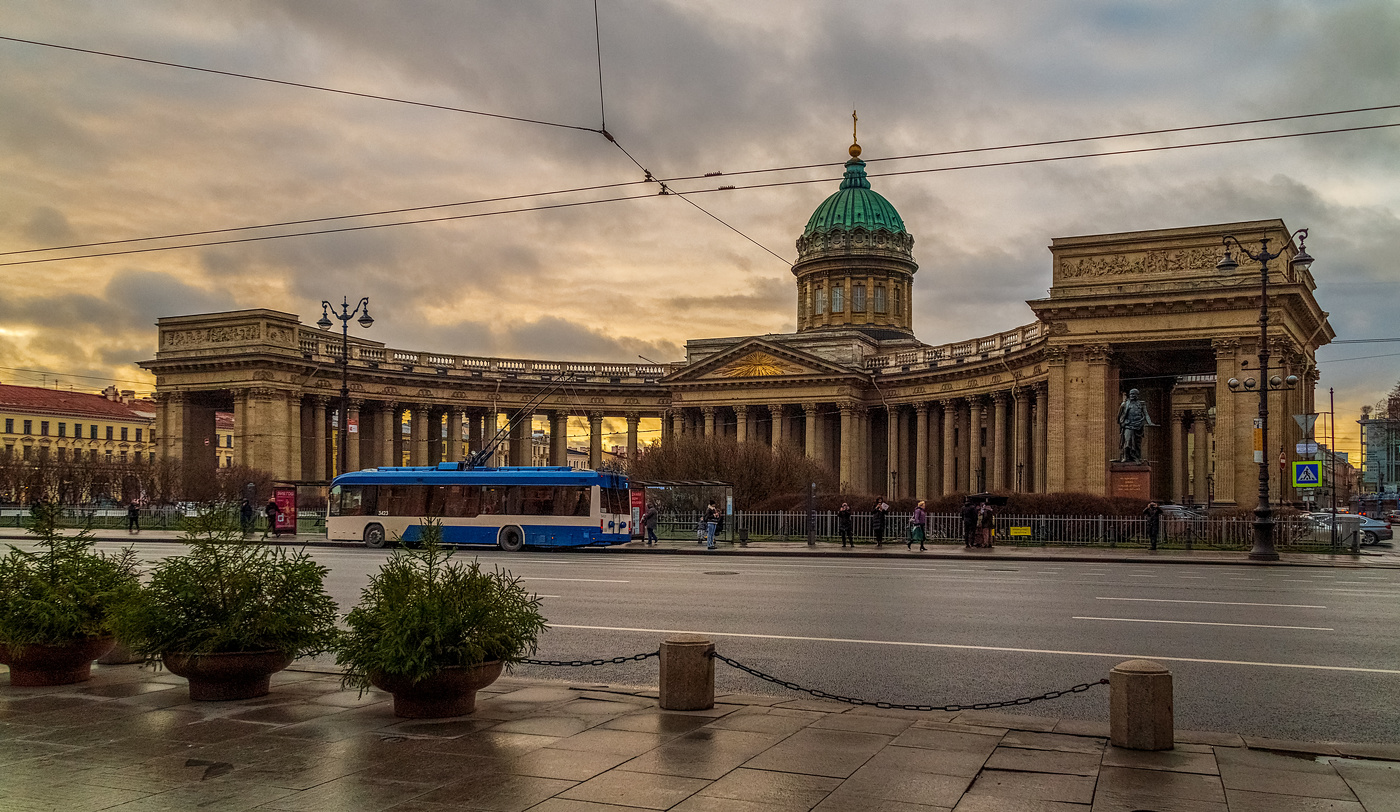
57, 425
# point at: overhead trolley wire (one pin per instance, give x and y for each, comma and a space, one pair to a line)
986, 165
302, 85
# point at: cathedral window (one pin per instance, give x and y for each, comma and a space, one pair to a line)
879, 298
838, 299
821, 301
858, 298
897, 309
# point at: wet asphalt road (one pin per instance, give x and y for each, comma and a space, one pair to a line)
1289, 652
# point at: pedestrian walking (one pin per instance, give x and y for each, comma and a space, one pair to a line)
917, 532
711, 523
843, 525
877, 519
133, 518
271, 511
649, 523
985, 515
969, 519
1153, 514
245, 516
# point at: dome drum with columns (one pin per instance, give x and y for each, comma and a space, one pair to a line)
855, 262
1031, 408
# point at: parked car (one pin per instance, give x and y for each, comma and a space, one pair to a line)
1179, 512
1373, 531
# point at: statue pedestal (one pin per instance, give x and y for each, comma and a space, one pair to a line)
1132, 479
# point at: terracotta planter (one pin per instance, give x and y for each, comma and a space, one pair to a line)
449, 692
231, 675
39, 666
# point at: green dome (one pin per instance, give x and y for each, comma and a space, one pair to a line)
855, 206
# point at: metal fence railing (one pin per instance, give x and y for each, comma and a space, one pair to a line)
1297, 532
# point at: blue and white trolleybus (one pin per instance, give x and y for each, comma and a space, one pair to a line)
511, 508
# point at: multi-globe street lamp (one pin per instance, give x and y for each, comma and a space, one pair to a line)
1263, 514
344, 315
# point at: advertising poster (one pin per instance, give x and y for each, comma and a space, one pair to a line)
639, 505
286, 499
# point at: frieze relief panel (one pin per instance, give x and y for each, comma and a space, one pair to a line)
1173, 262
182, 339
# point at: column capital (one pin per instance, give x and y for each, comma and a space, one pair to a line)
321, 400
999, 398
741, 409
356, 403
707, 411
1057, 356
775, 408
921, 408
633, 417
1098, 353
595, 417
1225, 347
811, 408
389, 405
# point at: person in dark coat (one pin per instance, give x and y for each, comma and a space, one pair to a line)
877, 519
969, 519
649, 522
271, 512
133, 518
985, 525
843, 525
1153, 514
245, 516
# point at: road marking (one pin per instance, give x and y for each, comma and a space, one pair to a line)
1142, 576
965, 647
1200, 577
547, 596
1246, 579
1206, 623
581, 580
1217, 603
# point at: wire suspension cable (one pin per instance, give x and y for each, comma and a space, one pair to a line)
598, 49
302, 85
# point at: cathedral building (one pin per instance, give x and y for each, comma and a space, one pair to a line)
1032, 408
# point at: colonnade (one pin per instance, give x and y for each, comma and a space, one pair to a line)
994, 441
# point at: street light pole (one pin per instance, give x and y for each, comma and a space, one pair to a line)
344, 316
1263, 514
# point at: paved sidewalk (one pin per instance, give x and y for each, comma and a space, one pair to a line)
130, 740
1384, 555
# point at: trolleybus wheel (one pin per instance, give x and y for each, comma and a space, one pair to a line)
512, 539
374, 535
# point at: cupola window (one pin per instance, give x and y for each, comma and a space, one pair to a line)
821, 301
899, 311
838, 299
858, 298
879, 298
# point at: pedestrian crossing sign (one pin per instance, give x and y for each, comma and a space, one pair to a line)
1307, 474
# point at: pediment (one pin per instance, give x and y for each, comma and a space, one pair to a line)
757, 359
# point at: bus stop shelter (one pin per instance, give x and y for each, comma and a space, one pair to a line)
681, 503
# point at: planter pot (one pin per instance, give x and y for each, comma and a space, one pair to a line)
231, 675
39, 666
449, 692
120, 655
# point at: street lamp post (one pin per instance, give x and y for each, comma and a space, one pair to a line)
344, 315
1263, 514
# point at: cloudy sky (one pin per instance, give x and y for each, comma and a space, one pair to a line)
96, 149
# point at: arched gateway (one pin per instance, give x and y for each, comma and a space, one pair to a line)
1028, 409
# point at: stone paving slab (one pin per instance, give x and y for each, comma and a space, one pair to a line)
558, 747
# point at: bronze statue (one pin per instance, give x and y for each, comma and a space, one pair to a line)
1133, 420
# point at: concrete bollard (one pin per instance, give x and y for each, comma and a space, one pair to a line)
687, 673
1140, 706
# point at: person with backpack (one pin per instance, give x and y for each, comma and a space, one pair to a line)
649, 523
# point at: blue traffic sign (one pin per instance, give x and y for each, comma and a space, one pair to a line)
1307, 474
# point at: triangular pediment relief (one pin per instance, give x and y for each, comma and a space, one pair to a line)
756, 358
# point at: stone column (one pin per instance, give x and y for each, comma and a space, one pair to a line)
1021, 474
677, 422
847, 448
1178, 430
921, 451
293, 436
633, 419
1200, 458
521, 439
1226, 367
559, 437
490, 427
812, 411
595, 440
389, 432
708, 412
455, 418
666, 431
775, 412
352, 435
950, 448
975, 406
741, 423
862, 450
1055, 414
1042, 433
419, 426
1101, 406
319, 451
891, 473
997, 446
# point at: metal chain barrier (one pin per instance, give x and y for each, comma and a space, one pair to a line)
820, 694
581, 663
